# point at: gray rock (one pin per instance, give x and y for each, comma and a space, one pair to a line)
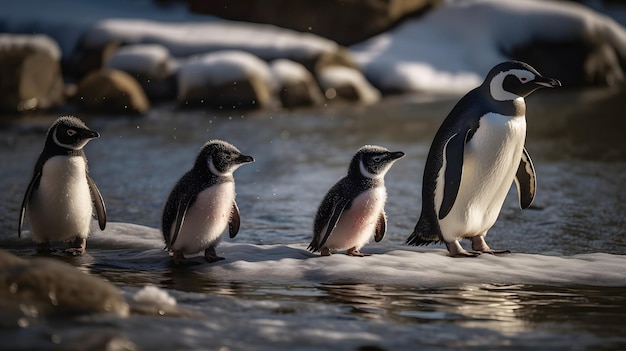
297, 86
43, 286
31, 73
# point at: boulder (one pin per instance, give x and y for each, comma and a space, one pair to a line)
30, 73
44, 286
297, 86
341, 83
111, 91
151, 65
346, 22
226, 80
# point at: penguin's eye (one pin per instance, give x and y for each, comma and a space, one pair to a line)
523, 79
228, 157
377, 158
71, 132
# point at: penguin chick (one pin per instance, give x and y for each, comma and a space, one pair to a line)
202, 203
61, 195
353, 209
475, 156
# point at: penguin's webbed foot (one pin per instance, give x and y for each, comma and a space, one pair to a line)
355, 252
77, 247
211, 256
44, 248
456, 250
325, 251
179, 260
479, 244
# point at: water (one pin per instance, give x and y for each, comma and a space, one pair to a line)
273, 294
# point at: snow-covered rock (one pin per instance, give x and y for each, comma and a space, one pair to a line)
454, 46
297, 86
226, 79
347, 84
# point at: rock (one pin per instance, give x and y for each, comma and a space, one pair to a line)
346, 22
44, 286
85, 60
151, 65
31, 73
297, 86
344, 83
111, 91
226, 80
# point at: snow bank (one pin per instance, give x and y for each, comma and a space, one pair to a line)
400, 265
37, 42
453, 47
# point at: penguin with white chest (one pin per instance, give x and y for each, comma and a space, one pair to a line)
475, 156
61, 196
202, 203
353, 209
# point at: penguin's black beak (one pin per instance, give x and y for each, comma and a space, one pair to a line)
245, 159
546, 82
396, 155
89, 134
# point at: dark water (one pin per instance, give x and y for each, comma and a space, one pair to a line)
576, 140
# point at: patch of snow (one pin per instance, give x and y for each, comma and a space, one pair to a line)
334, 77
36, 42
289, 71
153, 295
149, 59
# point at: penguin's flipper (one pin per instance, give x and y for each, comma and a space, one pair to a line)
98, 202
29, 191
336, 212
233, 223
381, 227
181, 212
526, 181
453, 152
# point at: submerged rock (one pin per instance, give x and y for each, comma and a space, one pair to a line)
43, 286
111, 91
30, 72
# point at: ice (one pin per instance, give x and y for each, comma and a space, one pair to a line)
389, 264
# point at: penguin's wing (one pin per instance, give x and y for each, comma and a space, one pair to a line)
98, 202
181, 211
526, 181
453, 152
381, 227
34, 183
233, 223
335, 214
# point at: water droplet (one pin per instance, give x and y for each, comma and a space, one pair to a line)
22, 322
13, 288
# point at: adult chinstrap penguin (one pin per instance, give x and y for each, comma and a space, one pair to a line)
61, 195
202, 203
353, 209
475, 156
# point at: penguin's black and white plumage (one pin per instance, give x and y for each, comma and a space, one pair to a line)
353, 210
477, 153
61, 196
202, 203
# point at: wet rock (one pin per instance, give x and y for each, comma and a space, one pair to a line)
151, 65
346, 22
297, 86
111, 91
85, 60
43, 286
226, 80
31, 73
346, 84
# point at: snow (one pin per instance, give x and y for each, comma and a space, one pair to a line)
389, 264
149, 59
30, 42
287, 71
336, 77
151, 294
454, 46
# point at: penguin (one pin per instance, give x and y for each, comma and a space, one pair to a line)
354, 208
477, 153
61, 195
202, 203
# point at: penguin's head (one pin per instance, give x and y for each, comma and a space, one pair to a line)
220, 158
373, 162
70, 133
511, 80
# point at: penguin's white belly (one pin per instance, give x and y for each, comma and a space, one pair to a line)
61, 208
357, 224
207, 219
490, 161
